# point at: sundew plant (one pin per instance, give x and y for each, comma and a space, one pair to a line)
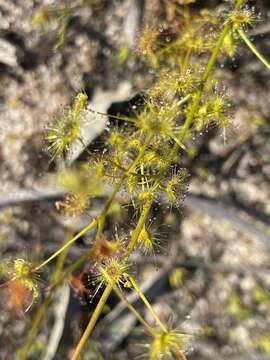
142, 166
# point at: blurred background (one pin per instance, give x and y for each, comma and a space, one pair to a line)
211, 275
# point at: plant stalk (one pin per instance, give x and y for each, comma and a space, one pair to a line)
66, 245
147, 206
92, 322
147, 304
41, 312
102, 217
254, 49
122, 297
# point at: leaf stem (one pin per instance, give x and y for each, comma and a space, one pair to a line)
41, 312
123, 118
101, 222
36, 321
66, 245
134, 312
179, 354
147, 304
102, 216
184, 100
136, 232
122, 297
254, 49
92, 322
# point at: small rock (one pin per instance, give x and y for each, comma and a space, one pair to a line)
8, 53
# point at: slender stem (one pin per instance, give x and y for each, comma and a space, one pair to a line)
102, 217
198, 94
239, 3
184, 100
92, 322
182, 134
41, 312
134, 312
254, 49
66, 245
93, 223
123, 118
22, 353
130, 169
147, 304
214, 55
56, 275
185, 61
101, 220
122, 297
179, 354
142, 173
136, 232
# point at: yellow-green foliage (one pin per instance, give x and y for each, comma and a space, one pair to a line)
143, 158
168, 344
147, 240
176, 277
261, 296
67, 127
237, 308
21, 284
264, 342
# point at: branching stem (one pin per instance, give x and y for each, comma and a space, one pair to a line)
102, 217
146, 207
122, 297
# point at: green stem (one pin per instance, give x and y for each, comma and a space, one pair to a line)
123, 118
147, 304
198, 94
101, 223
182, 134
147, 206
122, 297
186, 61
239, 3
101, 220
59, 265
254, 49
36, 322
214, 55
41, 312
136, 232
92, 322
135, 312
179, 354
102, 217
66, 245
184, 100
